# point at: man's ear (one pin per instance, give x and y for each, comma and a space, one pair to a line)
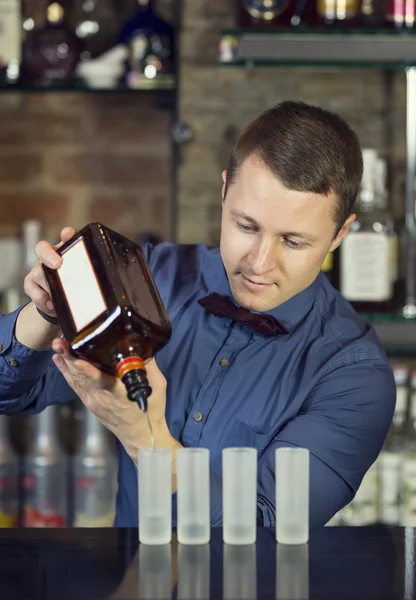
342, 232
224, 179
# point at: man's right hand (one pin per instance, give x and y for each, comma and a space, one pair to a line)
32, 330
36, 285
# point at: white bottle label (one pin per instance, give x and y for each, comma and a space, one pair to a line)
390, 488
10, 31
80, 285
366, 267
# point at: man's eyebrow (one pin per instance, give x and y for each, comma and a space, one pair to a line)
238, 214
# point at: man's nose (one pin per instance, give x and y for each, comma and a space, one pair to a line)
264, 256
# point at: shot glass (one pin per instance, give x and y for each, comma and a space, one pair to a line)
292, 495
239, 488
192, 477
155, 496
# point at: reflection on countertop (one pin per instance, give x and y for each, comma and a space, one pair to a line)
338, 563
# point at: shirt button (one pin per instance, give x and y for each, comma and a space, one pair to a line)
1, 347
224, 362
198, 417
13, 362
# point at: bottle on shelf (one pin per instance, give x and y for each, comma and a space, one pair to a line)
96, 23
367, 255
372, 14
30, 235
45, 475
408, 463
94, 476
51, 52
342, 14
151, 53
10, 42
380, 186
364, 508
9, 477
108, 306
401, 14
391, 456
267, 13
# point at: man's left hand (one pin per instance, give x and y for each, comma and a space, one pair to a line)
106, 397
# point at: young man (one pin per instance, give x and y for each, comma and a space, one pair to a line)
316, 376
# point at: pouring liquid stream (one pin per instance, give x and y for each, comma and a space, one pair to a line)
152, 437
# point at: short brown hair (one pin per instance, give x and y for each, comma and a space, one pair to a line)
308, 149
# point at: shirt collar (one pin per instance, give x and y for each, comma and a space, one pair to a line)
290, 313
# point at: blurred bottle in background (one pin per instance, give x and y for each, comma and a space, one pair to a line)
264, 13
151, 53
408, 462
45, 475
15, 296
401, 14
342, 14
96, 23
9, 477
94, 476
368, 254
391, 457
51, 52
10, 42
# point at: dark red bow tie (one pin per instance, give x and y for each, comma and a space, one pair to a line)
223, 307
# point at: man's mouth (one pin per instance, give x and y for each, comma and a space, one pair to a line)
254, 284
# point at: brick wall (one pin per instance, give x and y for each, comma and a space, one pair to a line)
71, 158
217, 102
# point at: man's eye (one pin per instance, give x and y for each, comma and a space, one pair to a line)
292, 244
246, 228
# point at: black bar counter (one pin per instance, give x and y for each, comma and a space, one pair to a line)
350, 563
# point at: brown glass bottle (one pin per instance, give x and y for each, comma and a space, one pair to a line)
108, 306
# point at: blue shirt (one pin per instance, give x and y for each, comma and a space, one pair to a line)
327, 385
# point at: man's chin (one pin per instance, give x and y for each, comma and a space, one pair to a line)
258, 302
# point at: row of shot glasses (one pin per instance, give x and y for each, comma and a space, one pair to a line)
239, 495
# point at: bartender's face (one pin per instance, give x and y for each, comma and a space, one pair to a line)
274, 240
